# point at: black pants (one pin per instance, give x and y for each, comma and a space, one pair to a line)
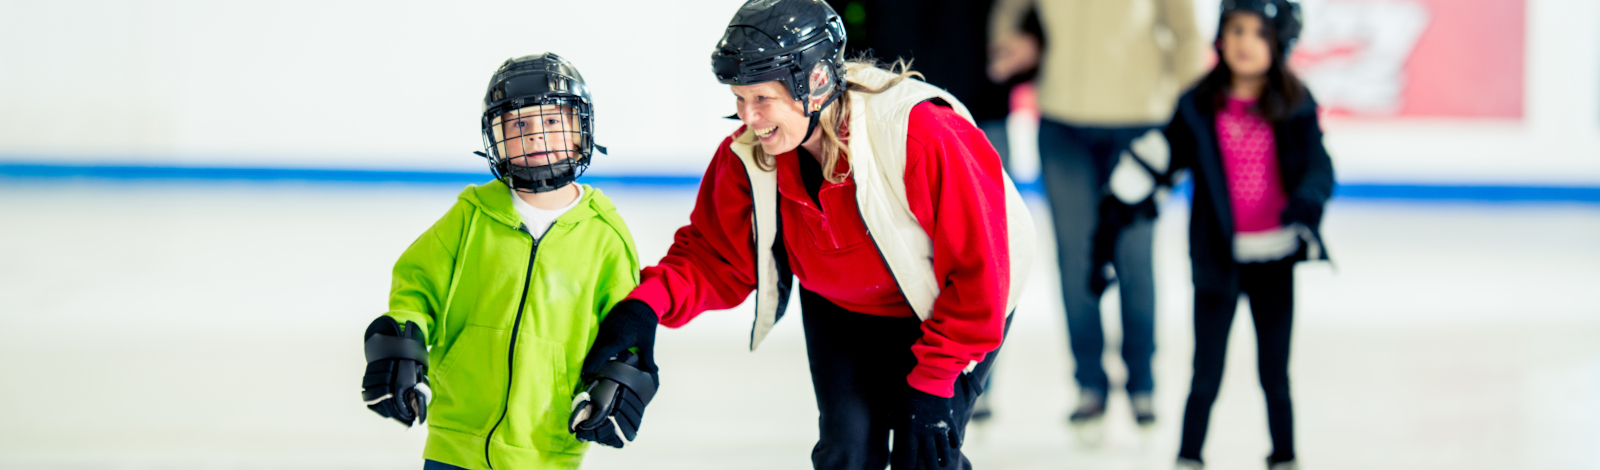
1270, 288
859, 364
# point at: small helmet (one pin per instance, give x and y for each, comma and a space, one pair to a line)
798, 42
1284, 15
533, 101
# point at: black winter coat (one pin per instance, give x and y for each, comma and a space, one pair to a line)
948, 40
1302, 163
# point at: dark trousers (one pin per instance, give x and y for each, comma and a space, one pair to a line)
859, 364
437, 465
1075, 162
1270, 288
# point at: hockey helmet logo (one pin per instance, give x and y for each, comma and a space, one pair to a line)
822, 83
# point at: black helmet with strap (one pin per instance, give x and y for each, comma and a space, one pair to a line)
798, 42
1283, 15
536, 88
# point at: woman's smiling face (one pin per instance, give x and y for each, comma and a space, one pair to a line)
777, 119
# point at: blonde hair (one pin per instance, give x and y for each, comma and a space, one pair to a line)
834, 119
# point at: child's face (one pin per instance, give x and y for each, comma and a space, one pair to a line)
1245, 46
537, 135
777, 119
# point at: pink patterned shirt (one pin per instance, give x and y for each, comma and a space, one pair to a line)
1250, 159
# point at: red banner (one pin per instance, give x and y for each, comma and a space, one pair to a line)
1414, 58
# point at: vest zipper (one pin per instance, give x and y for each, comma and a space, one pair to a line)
511, 353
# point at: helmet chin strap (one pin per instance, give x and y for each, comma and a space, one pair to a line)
811, 128
539, 179
816, 116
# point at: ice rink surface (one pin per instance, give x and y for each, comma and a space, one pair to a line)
186, 324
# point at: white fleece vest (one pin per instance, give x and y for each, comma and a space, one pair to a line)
878, 164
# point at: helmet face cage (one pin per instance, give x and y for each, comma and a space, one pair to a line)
539, 143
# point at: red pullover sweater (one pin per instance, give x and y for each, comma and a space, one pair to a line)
955, 191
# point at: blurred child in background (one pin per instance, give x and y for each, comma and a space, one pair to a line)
1249, 134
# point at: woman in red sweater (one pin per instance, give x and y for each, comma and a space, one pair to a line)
909, 245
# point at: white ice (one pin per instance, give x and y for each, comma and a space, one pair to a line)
216, 325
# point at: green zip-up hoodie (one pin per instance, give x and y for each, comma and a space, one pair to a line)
509, 322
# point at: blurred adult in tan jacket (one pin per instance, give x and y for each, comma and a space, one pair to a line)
1109, 72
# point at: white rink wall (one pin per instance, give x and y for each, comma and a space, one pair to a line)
343, 84
396, 85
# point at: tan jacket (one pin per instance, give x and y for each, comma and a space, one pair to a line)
1110, 62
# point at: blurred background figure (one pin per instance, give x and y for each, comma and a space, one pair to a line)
1109, 72
946, 40
1250, 135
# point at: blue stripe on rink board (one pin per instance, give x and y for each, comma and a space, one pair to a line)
1470, 192
301, 174
1435, 192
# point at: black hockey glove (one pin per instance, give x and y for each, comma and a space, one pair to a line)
630, 324
1132, 193
611, 407
396, 383
1114, 218
931, 440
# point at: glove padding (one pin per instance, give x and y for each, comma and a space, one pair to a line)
611, 408
396, 382
927, 437
630, 324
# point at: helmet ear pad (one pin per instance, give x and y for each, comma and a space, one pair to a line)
823, 88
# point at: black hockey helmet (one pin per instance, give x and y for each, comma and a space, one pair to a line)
798, 42
1283, 15
537, 98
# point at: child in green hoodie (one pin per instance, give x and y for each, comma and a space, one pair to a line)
493, 308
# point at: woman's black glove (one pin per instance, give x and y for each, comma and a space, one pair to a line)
931, 440
611, 407
631, 324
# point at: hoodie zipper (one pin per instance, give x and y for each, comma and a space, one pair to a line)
511, 353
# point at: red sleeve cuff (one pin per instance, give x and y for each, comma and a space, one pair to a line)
933, 381
654, 294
